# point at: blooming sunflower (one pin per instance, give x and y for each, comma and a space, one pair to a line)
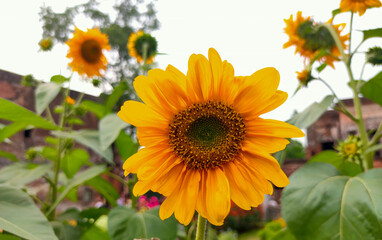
204, 141
309, 38
85, 49
140, 42
358, 6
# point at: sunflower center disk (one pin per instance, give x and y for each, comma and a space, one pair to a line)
206, 135
91, 51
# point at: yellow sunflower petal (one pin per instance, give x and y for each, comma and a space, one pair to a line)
217, 196
267, 166
257, 89
216, 68
150, 136
138, 114
265, 143
200, 81
272, 103
270, 127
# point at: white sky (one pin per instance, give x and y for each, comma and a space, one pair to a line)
247, 33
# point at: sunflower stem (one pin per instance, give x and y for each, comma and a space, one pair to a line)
357, 102
201, 228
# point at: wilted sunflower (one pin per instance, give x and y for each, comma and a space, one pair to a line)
304, 77
358, 6
309, 38
204, 142
140, 42
85, 49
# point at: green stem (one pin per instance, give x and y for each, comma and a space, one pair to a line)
377, 136
201, 228
342, 108
357, 102
57, 163
350, 31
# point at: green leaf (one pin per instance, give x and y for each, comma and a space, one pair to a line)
321, 67
10, 130
45, 93
109, 128
64, 231
372, 33
125, 145
13, 112
96, 108
59, 79
49, 153
88, 138
8, 237
335, 12
312, 113
95, 233
345, 167
73, 161
105, 188
19, 174
372, 89
77, 180
127, 224
19, 215
8, 155
320, 203
374, 148
283, 234
112, 100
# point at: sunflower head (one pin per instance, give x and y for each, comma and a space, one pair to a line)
350, 149
310, 38
205, 143
46, 44
142, 45
304, 77
374, 56
86, 52
358, 6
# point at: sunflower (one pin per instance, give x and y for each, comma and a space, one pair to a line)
304, 77
358, 6
85, 49
46, 44
350, 149
204, 141
310, 38
141, 44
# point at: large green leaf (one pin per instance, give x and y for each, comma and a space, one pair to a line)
125, 145
104, 187
77, 180
88, 138
19, 174
372, 33
44, 94
95, 233
109, 128
127, 224
312, 113
11, 129
320, 203
13, 112
372, 89
19, 215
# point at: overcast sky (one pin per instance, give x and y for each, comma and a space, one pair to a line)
247, 33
